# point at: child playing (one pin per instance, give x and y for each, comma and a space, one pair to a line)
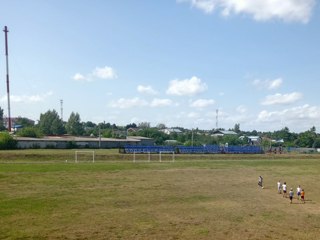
291, 195
260, 181
279, 187
298, 192
302, 195
284, 189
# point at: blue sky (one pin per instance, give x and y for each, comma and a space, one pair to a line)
173, 62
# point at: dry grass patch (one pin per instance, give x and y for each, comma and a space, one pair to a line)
184, 200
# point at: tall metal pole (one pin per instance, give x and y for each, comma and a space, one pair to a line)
8, 88
217, 118
61, 109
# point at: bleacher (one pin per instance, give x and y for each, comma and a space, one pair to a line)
207, 149
148, 149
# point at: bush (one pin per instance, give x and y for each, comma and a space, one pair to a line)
7, 142
29, 132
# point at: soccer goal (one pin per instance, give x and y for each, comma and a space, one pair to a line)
163, 156
141, 157
166, 156
84, 156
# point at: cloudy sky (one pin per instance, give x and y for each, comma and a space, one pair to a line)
174, 62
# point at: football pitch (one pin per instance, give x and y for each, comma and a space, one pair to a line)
42, 196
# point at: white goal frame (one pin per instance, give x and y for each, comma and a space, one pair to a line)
134, 158
76, 153
166, 152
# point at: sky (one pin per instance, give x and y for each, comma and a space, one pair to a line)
183, 63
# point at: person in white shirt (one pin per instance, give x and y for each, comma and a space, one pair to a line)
279, 187
284, 189
298, 192
291, 193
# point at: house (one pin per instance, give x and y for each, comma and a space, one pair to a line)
171, 130
221, 133
253, 140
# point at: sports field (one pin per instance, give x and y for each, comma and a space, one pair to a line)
43, 196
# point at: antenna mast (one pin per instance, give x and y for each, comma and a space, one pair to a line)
61, 108
217, 113
7, 68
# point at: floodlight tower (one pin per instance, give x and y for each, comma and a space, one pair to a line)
217, 114
7, 71
61, 108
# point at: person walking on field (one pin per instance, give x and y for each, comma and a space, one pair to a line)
302, 196
260, 182
291, 193
284, 189
279, 187
298, 192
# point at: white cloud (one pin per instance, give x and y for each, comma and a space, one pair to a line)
104, 73
260, 10
193, 115
146, 90
268, 84
79, 77
98, 73
301, 117
186, 87
27, 98
241, 109
282, 98
160, 102
128, 103
202, 103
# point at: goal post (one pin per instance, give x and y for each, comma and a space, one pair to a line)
142, 157
162, 156
167, 154
84, 155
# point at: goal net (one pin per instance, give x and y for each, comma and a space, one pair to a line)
163, 156
166, 156
84, 156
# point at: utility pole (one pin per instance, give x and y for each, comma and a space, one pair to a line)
7, 68
217, 118
61, 109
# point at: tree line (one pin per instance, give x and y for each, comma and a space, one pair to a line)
50, 123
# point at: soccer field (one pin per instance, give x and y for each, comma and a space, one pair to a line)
214, 198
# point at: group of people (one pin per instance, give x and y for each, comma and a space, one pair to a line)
282, 188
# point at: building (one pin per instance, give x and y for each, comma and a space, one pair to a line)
64, 142
221, 133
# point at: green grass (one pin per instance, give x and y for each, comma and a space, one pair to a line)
197, 197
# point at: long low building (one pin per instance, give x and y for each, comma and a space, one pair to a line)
63, 142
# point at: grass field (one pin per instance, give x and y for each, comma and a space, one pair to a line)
196, 197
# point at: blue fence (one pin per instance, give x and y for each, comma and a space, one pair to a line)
208, 149
148, 149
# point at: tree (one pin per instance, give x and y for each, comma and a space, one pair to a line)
144, 125
25, 122
7, 141
237, 128
161, 126
74, 126
51, 124
307, 139
2, 127
33, 132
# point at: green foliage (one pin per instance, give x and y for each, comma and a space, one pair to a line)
51, 124
306, 139
33, 132
157, 135
316, 143
1, 120
25, 122
7, 142
74, 125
